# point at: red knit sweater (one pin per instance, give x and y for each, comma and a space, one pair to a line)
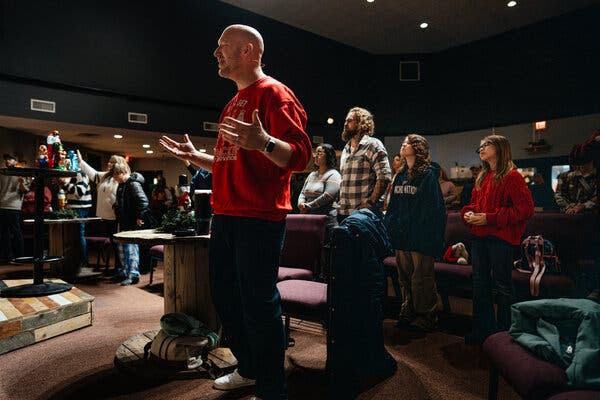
507, 206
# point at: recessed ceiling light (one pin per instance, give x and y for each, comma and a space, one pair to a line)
146, 146
370, 1
511, 4
117, 136
330, 120
424, 25
149, 151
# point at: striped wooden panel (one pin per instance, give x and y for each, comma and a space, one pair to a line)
25, 321
19, 308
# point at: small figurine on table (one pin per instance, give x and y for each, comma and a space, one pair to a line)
60, 160
42, 158
50, 141
183, 201
73, 161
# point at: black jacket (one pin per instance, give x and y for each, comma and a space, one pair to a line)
416, 215
132, 204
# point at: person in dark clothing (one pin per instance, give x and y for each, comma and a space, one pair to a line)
416, 221
201, 178
590, 150
542, 193
465, 194
132, 212
12, 190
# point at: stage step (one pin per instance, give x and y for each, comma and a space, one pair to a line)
28, 320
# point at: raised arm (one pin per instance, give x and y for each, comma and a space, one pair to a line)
87, 169
187, 152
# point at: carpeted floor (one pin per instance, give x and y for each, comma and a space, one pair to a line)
79, 364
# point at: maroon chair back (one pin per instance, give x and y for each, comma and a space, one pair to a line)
304, 237
456, 230
571, 235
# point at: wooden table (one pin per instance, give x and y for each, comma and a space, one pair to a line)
64, 241
38, 287
186, 278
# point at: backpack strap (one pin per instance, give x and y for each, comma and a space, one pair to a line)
534, 264
539, 267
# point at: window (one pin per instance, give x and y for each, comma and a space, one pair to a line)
556, 171
527, 174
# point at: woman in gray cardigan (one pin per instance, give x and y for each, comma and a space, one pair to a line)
322, 188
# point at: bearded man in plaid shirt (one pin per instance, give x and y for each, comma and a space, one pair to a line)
364, 165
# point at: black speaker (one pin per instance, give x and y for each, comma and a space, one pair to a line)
410, 71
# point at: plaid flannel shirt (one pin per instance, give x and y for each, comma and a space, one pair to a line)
360, 170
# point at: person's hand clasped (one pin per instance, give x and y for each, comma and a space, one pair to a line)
249, 136
576, 209
303, 207
475, 218
139, 222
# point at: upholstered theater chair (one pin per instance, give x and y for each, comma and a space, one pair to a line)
531, 377
157, 253
305, 300
448, 275
102, 246
572, 236
303, 246
577, 395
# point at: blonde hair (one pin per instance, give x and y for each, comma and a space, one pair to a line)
114, 159
505, 163
365, 125
422, 161
120, 168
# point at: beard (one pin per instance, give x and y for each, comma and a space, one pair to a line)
349, 134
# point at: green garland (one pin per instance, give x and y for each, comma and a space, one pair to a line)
62, 214
175, 220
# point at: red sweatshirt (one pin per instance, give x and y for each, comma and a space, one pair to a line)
507, 206
245, 182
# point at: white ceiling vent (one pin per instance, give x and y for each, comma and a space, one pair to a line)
210, 126
317, 139
137, 118
43, 105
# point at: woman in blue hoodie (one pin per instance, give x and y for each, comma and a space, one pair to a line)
416, 220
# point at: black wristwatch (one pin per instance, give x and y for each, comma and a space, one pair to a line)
269, 146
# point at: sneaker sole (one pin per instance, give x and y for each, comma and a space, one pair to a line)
215, 386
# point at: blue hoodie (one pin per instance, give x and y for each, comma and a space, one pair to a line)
416, 215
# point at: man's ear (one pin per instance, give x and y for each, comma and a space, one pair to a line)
247, 49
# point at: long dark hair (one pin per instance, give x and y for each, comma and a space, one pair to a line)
422, 161
330, 157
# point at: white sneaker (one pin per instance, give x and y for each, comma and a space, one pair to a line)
232, 381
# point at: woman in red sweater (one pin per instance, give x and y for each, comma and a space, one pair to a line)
500, 206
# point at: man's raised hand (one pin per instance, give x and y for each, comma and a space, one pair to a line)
182, 150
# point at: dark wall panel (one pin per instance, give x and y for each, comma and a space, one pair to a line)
159, 54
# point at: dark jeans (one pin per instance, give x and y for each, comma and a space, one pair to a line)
11, 234
82, 213
244, 259
492, 265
